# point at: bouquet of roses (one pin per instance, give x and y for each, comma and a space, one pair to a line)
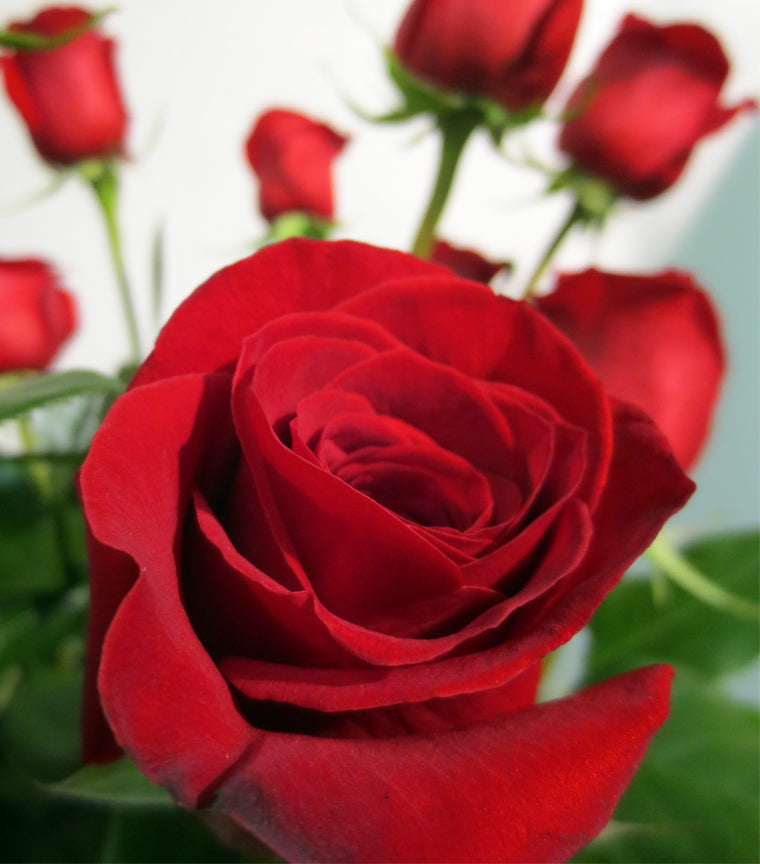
323, 575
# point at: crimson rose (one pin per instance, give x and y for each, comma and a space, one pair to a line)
651, 97
36, 315
68, 97
349, 504
653, 340
292, 156
511, 51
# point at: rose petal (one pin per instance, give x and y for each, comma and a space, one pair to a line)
188, 749
237, 608
337, 532
465, 326
206, 332
490, 784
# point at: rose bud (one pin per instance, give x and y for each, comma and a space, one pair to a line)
68, 97
651, 97
653, 340
347, 506
466, 262
510, 51
36, 315
292, 156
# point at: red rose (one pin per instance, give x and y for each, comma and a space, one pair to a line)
36, 315
653, 340
292, 156
651, 97
511, 51
466, 262
348, 505
68, 97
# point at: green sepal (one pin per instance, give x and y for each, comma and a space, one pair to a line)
595, 199
298, 224
420, 98
19, 41
19, 394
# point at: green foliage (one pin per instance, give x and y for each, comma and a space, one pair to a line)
30, 559
420, 98
633, 628
20, 395
696, 796
118, 782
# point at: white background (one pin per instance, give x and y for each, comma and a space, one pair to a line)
196, 73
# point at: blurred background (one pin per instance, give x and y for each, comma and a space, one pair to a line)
197, 73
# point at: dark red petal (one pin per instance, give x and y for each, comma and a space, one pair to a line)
164, 699
449, 407
466, 262
206, 332
336, 532
290, 370
465, 326
112, 575
533, 785
169, 706
236, 608
646, 486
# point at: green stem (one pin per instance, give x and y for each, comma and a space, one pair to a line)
673, 564
455, 131
572, 220
106, 188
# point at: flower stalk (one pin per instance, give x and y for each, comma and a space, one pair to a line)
455, 132
672, 563
104, 184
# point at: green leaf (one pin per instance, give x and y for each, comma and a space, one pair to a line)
30, 558
30, 637
696, 796
118, 782
28, 393
631, 628
38, 826
39, 734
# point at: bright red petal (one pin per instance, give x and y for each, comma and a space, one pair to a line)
533, 785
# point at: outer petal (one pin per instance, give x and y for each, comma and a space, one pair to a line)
166, 702
533, 785
206, 332
653, 340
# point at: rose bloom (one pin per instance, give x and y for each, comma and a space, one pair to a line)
292, 157
653, 340
652, 96
37, 315
466, 262
511, 51
348, 505
68, 97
